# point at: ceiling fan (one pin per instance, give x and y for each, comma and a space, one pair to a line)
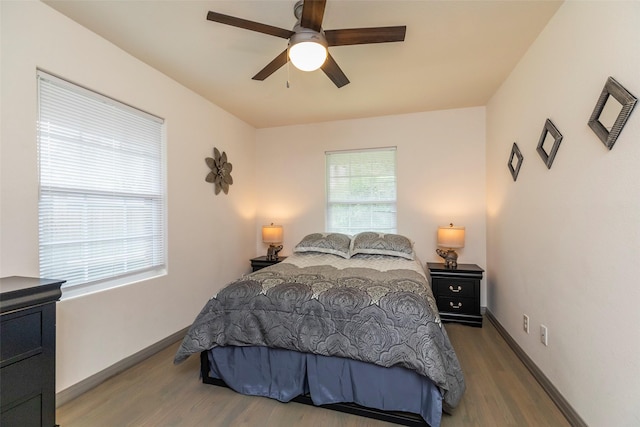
308, 34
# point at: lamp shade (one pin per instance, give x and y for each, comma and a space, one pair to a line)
451, 237
272, 233
307, 49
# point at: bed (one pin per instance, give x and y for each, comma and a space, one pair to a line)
348, 322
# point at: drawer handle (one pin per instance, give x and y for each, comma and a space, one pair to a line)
459, 305
455, 290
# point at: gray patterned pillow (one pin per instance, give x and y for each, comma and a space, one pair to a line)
328, 243
382, 244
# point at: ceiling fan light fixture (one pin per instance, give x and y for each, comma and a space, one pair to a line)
307, 50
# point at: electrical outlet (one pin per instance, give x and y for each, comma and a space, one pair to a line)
525, 323
544, 335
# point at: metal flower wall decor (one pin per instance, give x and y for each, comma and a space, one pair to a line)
220, 174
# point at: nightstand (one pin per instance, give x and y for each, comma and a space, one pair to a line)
262, 262
457, 292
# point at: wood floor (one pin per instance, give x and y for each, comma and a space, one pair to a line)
500, 392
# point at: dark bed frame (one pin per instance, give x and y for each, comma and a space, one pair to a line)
402, 418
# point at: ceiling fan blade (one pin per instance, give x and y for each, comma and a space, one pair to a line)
272, 66
312, 14
365, 35
249, 25
333, 71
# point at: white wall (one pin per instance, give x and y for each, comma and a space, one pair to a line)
210, 238
564, 244
441, 175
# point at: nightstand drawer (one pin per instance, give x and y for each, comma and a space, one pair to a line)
455, 287
458, 305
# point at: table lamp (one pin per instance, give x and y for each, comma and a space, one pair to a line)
450, 238
272, 234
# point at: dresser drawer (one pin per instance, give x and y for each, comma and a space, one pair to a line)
455, 287
21, 336
458, 305
22, 379
26, 414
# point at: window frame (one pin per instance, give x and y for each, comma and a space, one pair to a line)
154, 214
392, 203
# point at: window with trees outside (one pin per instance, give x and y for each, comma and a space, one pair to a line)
361, 190
102, 189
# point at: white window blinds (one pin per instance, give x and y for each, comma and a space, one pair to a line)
102, 185
361, 190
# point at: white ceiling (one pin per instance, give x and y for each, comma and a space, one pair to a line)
455, 54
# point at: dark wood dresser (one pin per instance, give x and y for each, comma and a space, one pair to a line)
457, 292
28, 350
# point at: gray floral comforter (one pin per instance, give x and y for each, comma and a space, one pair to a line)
383, 317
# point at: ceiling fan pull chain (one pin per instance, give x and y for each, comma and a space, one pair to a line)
288, 73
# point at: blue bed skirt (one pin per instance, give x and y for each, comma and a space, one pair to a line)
284, 375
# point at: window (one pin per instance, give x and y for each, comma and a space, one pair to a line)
361, 191
102, 186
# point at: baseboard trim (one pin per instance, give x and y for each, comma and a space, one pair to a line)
87, 384
570, 414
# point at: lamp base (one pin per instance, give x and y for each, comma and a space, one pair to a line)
450, 258
272, 252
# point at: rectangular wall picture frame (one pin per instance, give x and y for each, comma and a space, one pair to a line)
613, 99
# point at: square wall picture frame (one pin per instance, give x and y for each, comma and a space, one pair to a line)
517, 156
550, 135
